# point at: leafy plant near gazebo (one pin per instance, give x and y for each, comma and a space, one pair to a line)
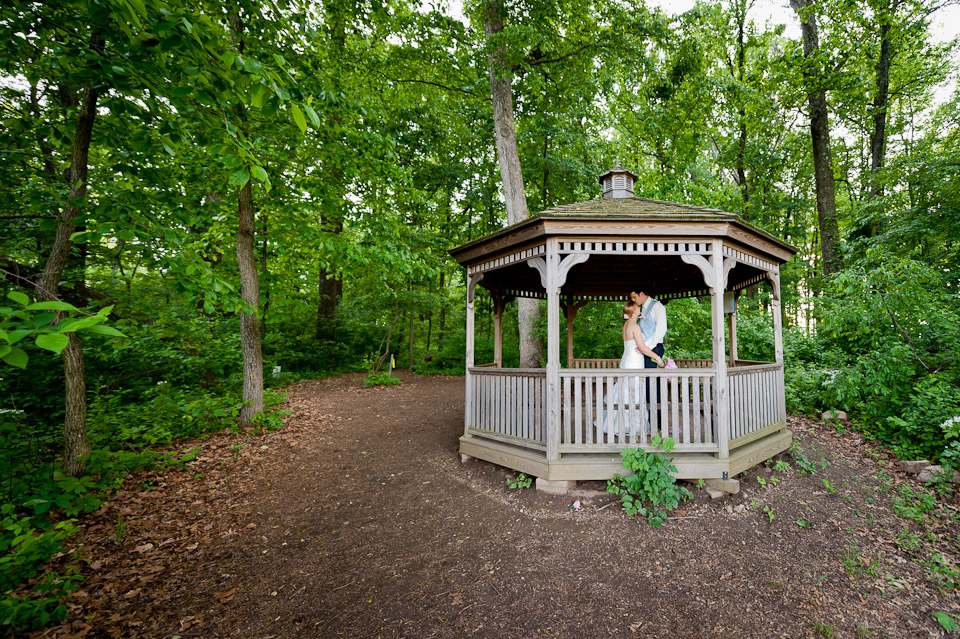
651, 483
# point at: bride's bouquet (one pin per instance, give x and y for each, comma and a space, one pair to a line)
668, 364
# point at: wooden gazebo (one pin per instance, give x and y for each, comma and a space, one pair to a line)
725, 414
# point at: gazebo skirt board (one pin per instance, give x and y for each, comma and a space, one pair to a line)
603, 466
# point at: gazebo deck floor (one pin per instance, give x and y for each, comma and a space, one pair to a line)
603, 466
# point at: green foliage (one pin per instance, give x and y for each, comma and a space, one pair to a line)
800, 459
919, 432
651, 491
27, 545
768, 511
520, 482
946, 622
941, 571
950, 457
914, 505
164, 413
42, 322
380, 379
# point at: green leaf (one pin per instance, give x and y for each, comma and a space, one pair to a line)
15, 336
314, 119
78, 324
231, 161
298, 118
240, 176
260, 173
256, 96
16, 357
19, 297
52, 306
252, 66
100, 329
4, 349
946, 621
52, 342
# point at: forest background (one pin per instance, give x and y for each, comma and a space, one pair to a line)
204, 201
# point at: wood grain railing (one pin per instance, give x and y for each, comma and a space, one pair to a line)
611, 409
508, 404
756, 400
615, 363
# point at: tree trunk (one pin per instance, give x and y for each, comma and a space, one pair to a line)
249, 322
741, 17
249, 279
330, 284
443, 313
820, 136
501, 91
410, 341
263, 277
878, 138
76, 443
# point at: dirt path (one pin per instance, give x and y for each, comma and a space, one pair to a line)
358, 520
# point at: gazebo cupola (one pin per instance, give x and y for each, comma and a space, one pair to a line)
725, 414
618, 182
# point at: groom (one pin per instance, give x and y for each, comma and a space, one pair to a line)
653, 325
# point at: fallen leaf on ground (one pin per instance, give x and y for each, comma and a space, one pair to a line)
225, 597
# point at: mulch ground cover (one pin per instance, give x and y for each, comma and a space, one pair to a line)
357, 519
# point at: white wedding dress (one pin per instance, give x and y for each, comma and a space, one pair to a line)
633, 397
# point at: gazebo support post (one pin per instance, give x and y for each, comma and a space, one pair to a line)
472, 281
552, 279
552, 432
571, 312
778, 338
719, 351
498, 304
732, 322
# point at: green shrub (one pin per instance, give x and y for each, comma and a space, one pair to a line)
651, 491
380, 379
918, 433
33, 594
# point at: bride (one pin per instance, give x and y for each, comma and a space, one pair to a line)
634, 349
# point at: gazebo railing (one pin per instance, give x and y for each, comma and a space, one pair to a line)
582, 362
509, 405
756, 400
610, 409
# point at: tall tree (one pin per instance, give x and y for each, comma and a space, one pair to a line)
511, 174
814, 74
247, 265
76, 442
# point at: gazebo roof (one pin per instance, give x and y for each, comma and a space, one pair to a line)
619, 220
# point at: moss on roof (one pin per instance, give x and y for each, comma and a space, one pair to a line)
636, 207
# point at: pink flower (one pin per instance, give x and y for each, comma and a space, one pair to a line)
670, 364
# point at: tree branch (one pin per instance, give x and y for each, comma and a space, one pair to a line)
533, 62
